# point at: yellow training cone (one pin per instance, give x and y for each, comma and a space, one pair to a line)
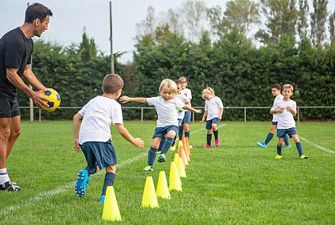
111, 210
174, 179
149, 199
162, 186
180, 166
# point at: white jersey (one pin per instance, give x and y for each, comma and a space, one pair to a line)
277, 98
98, 115
285, 119
186, 95
213, 107
167, 111
181, 111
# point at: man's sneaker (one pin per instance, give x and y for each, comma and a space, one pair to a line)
9, 186
102, 199
82, 182
207, 146
278, 157
161, 158
303, 157
287, 146
148, 168
217, 143
262, 144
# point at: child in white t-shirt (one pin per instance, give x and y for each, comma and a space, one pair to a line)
93, 136
186, 95
276, 92
285, 110
213, 115
167, 106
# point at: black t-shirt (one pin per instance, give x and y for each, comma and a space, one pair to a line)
15, 52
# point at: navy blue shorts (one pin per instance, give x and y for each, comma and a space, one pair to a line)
210, 122
187, 117
282, 132
9, 108
100, 154
162, 131
274, 123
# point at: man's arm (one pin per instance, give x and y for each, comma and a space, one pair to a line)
32, 79
124, 133
16, 80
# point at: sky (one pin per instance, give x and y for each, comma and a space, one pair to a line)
71, 16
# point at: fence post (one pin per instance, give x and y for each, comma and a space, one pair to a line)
245, 114
298, 109
39, 115
142, 114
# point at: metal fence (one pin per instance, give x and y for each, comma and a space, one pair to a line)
142, 110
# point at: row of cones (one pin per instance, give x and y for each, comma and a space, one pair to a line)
181, 159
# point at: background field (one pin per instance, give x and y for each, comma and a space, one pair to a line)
238, 183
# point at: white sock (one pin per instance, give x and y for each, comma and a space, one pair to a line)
3, 176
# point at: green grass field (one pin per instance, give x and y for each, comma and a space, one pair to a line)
238, 183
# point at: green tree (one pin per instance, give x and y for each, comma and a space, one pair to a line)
318, 22
302, 25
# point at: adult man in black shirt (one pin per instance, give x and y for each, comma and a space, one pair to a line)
16, 48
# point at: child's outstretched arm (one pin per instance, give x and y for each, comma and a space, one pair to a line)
189, 108
76, 126
138, 142
126, 99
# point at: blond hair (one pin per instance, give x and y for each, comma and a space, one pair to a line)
208, 90
170, 84
112, 83
288, 86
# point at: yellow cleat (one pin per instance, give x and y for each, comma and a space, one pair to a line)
303, 157
278, 157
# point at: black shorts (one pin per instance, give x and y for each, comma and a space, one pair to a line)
9, 107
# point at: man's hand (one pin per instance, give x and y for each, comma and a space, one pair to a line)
40, 101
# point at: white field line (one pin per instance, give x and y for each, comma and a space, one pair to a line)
65, 187
58, 190
317, 146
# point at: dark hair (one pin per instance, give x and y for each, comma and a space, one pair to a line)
277, 86
112, 83
35, 11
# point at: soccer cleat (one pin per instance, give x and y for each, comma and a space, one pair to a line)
82, 182
207, 146
262, 144
161, 158
287, 146
278, 157
9, 186
303, 157
217, 143
102, 199
148, 168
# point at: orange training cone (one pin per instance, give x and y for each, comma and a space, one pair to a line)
174, 179
182, 155
162, 190
111, 210
149, 199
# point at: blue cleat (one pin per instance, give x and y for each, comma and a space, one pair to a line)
102, 199
262, 144
82, 183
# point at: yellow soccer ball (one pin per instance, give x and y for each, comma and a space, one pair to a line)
53, 99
